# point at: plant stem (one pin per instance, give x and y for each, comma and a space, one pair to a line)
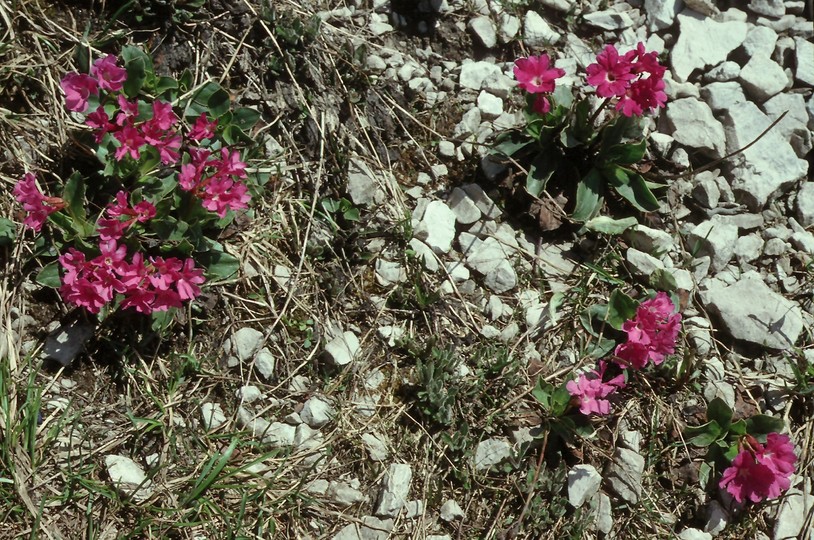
598, 110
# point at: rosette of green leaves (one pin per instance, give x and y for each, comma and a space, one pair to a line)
565, 142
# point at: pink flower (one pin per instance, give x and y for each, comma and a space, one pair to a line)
113, 228
778, 454
651, 334
760, 472
230, 164
131, 141
202, 129
534, 74
188, 279
111, 77
589, 390
128, 110
163, 117
541, 104
78, 87
611, 73
38, 206
100, 122
221, 195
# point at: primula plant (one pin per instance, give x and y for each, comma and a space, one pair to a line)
582, 141
141, 233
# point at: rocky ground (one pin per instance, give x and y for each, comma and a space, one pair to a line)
369, 372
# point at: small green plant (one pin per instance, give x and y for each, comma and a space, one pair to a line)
339, 208
437, 392
566, 138
722, 436
170, 179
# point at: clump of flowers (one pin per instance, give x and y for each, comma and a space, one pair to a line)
651, 334
760, 471
176, 179
589, 391
567, 135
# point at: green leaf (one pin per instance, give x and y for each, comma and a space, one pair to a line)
621, 308
48, 276
219, 264
74, 195
245, 118
8, 231
601, 348
139, 67
719, 412
185, 80
540, 172
738, 428
703, 435
631, 186
164, 84
507, 146
560, 400
589, 196
543, 392
703, 474
161, 320
613, 133
608, 225
595, 314
662, 280
209, 98
624, 154
761, 425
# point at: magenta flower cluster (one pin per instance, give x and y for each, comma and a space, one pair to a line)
589, 390
145, 284
218, 184
760, 471
636, 78
651, 336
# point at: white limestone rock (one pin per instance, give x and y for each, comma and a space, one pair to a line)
703, 42
750, 311
624, 474
537, 33
609, 19
491, 452
317, 412
484, 30
661, 13
767, 168
583, 483
762, 78
342, 349
212, 415
804, 61
714, 238
474, 73
760, 41
693, 125
722, 95
437, 227
128, 478
395, 488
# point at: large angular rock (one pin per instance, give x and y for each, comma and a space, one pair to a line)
693, 125
536, 31
583, 483
473, 74
395, 490
793, 127
722, 95
624, 474
716, 239
804, 56
767, 168
437, 227
661, 13
128, 477
703, 42
750, 311
762, 77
